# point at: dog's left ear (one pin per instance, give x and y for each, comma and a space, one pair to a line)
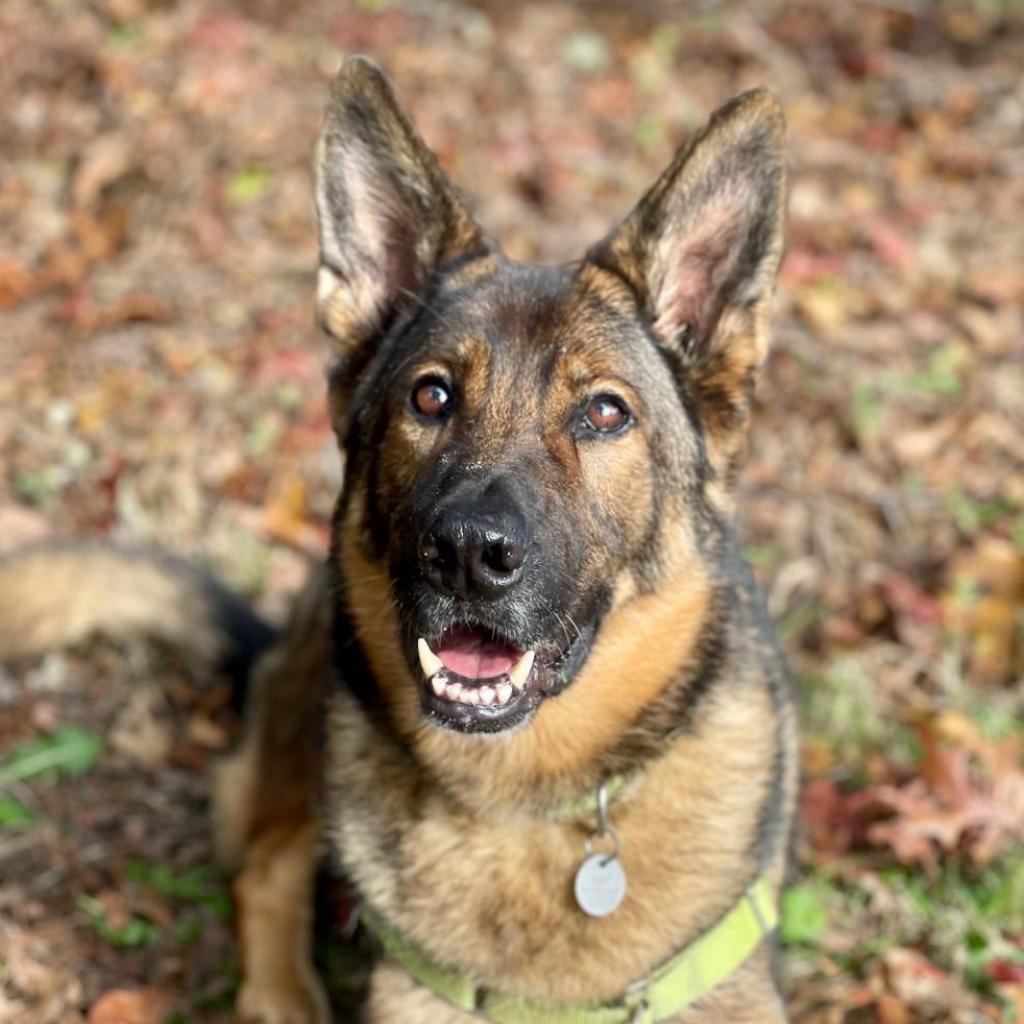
701, 251
388, 215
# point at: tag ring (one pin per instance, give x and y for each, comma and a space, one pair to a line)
604, 828
610, 833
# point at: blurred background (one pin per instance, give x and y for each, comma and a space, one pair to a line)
161, 381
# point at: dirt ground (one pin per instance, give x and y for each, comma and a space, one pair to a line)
161, 381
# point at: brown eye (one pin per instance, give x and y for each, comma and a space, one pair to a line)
606, 414
432, 398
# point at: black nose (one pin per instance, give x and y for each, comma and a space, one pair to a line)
472, 555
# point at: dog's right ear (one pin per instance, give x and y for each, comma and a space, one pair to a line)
388, 215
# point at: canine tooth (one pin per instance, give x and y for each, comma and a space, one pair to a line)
520, 671
487, 695
439, 683
504, 691
453, 691
429, 661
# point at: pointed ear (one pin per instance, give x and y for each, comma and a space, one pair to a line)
701, 251
388, 216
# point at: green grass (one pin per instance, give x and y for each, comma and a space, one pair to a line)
135, 932
14, 814
70, 751
199, 886
962, 919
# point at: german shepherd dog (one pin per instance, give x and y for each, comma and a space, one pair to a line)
535, 640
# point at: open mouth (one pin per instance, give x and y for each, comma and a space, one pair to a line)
474, 681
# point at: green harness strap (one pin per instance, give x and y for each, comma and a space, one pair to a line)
688, 976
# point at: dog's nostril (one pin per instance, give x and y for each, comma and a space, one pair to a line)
429, 551
504, 557
438, 554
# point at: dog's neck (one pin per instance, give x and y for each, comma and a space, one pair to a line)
582, 738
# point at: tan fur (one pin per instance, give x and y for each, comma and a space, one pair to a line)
59, 595
266, 821
468, 844
554, 757
274, 900
685, 826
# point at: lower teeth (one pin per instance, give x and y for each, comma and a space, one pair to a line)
487, 695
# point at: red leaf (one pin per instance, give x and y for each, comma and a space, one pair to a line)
1005, 972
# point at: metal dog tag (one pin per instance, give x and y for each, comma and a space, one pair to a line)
600, 884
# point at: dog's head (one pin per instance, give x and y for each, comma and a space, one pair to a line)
533, 452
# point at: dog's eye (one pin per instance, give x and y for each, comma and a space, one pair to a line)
606, 414
432, 398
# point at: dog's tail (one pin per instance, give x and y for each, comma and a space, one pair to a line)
59, 594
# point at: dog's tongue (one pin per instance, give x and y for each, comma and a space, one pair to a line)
471, 653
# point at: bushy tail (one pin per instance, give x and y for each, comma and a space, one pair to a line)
58, 594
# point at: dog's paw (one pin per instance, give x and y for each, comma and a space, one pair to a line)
297, 1001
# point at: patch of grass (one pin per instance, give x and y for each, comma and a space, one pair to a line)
940, 377
965, 916
763, 556
972, 516
867, 409
218, 995
248, 185
803, 917
124, 36
201, 886
840, 709
41, 486
188, 930
70, 750
962, 919
14, 814
135, 932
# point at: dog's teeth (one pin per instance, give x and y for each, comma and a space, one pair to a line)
504, 691
453, 691
429, 661
439, 683
487, 695
520, 671
470, 696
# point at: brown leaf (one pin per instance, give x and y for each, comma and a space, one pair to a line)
16, 284
983, 600
892, 1010
915, 980
968, 799
107, 159
131, 1006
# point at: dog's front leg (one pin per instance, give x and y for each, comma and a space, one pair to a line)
267, 825
274, 898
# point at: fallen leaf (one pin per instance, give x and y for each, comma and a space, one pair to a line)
131, 1006
915, 980
892, 1010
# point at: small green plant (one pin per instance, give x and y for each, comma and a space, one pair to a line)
200, 885
14, 815
248, 185
803, 920
135, 932
70, 750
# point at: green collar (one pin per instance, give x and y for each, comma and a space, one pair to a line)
678, 983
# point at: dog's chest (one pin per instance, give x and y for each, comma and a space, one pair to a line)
493, 896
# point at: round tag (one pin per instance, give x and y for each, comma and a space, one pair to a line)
600, 884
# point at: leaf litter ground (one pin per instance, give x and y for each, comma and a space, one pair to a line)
160, 381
